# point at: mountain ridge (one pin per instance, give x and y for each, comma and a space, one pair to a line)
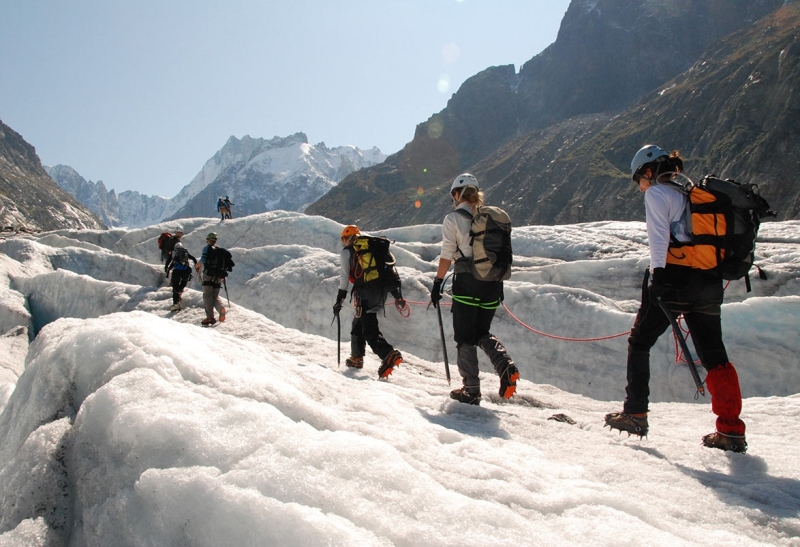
410, 187
29, 199
259, 175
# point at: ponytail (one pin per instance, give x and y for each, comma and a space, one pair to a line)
473, 196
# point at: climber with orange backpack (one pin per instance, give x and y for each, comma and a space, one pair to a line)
698, 235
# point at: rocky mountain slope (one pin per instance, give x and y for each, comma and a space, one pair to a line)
29, 199
605, 86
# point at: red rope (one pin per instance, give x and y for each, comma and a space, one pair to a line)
566, 339
404, 310
679, 356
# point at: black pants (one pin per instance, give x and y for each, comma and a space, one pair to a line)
474, 305
179, 280
699, 298
365, 330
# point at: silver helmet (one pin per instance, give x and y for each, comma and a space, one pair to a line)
646, 154
462, 181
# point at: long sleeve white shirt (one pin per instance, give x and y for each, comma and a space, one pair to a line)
455, 234
344, 268
665, 214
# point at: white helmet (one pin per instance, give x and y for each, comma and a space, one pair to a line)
178, 229
462, 181
646, 154
179, 245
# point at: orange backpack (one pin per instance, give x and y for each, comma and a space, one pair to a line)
723, 217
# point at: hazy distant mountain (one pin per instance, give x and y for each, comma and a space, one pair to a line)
29, 199
612, 60
130, 209
262, 175
259, 175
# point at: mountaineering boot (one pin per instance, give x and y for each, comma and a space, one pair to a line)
462, 395
734, 443
508, 380
222, 315
208, 321
175, 307
633, 424
355, 362
389, 362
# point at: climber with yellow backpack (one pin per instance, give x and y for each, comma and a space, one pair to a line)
369, 266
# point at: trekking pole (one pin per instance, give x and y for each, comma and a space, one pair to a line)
682, 341
224, 284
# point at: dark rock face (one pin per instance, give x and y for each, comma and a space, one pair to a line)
609, 56
29, 199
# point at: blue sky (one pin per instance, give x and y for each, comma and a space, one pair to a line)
142, 94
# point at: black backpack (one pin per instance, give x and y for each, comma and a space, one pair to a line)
373, 264
723, 219
219, 262
180, 255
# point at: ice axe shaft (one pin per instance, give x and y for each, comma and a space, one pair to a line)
444, 343
338, 341
684, 346
338, 338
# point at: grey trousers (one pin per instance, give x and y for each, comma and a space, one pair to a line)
211, 298
468, 360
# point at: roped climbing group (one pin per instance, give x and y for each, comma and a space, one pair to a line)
683, 279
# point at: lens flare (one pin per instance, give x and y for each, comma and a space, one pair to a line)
420, 191
444, 83
435, 128
450, 53
418, 204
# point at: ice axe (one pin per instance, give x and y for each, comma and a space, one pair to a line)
682, 341
444, 343
224, 284
338, 339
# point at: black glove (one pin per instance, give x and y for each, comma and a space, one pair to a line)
436, 292
340, 296
659, 284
